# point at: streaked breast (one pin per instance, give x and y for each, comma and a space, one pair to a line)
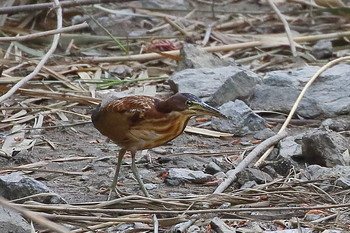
156, 132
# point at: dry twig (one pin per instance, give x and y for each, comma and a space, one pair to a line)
46, 33
286, 27
231, 175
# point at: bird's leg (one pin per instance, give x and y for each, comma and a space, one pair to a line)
117, 170
136, 173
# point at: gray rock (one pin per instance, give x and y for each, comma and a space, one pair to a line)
243, 120
264, 134
193, 57
339, 174
327, 97
337, 124
283, 166
193, 229
212, 168
290, 147
315, 172
16, 185
179, 175
238, 86
325, 148
252, 174
150, 186
312, 217
249, 184
220, 175
226, 83
343, 182
270, 170
13, 222
322, 49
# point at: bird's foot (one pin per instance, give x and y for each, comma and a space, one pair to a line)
117, 192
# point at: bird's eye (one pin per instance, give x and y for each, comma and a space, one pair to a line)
189, 103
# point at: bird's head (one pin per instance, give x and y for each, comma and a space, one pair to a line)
189, 104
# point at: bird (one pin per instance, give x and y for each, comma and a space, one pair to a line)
143, 122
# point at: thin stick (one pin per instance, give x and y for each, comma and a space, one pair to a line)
152, 56
176, 26
247, 160
43, 60
42, 6
296, 104
286, 27
155, 224
34, 216
46, 33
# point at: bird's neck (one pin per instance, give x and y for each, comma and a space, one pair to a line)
163, 106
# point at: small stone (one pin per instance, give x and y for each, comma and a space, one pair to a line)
283, 166
220, 175
264, 134
242, 120
252, 174
193, 57
16, 185
178, 175
290, 147
193, 229
325, 148
212, 168
249, 184
313, 216
343, 182
84, 177
322, 49
160, 151
337, 125
150, 186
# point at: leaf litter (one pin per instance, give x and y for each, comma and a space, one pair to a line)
53, 109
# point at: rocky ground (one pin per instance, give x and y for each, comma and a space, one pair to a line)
54, 163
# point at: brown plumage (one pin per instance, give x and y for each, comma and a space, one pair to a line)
143, 122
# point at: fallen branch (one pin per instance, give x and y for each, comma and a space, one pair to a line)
296, 104
231, 175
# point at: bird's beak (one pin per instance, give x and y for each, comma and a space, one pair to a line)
205, 109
